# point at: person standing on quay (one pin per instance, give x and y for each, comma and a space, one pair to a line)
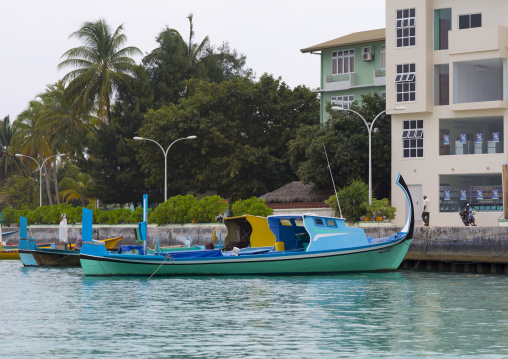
425, 213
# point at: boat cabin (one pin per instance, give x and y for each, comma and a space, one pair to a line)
314, 233
248, 231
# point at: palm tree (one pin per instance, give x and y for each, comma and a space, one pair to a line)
101, 65
8, 162
194, 51
75, 186
66, 130
32, 138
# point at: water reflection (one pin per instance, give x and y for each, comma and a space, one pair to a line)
63, 314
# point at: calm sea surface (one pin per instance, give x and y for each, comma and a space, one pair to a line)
59, 313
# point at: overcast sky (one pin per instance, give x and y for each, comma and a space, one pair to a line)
34, 34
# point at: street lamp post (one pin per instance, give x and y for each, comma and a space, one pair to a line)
39, 167
165, 158
369, 126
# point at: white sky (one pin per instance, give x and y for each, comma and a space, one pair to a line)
35, 33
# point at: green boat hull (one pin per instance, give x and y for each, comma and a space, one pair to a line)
385, 258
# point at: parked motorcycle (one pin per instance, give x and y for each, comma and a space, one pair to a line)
464, 216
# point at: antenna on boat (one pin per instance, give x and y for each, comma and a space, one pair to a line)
329, 168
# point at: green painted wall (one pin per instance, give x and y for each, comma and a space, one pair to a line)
364, 71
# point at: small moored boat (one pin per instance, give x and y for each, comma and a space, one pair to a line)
304, 244
54, 254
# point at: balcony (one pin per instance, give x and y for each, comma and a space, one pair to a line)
348, 81
340, 82
479, 84
491, 38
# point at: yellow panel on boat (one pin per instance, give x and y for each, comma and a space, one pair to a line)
279, 246
9, 254
261, 235
111, 242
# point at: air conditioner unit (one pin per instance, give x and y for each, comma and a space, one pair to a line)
366, 53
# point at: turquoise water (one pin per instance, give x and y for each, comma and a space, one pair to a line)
59, 313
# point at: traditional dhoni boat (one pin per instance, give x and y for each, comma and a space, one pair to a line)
8, 251
304, 244
54, 254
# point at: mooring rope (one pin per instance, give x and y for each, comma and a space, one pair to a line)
167, 256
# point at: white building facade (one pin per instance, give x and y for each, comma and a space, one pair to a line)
447, 64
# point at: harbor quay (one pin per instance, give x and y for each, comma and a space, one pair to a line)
456, 249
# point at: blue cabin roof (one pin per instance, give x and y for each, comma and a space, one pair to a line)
315, 233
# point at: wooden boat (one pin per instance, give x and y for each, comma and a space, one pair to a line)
305, 244
8, 251
54, 255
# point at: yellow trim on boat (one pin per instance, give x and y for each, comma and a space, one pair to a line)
261, 235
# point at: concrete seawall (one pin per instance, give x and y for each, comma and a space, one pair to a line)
198, 234
463, 249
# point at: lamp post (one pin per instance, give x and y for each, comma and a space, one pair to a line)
165, 158
369, 130
39, 167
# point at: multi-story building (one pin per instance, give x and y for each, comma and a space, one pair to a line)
446, 63
351, 66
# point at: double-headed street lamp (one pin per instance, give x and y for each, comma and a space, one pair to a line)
369, 130
165, 159
40, 171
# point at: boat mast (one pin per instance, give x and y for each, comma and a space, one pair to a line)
333, 182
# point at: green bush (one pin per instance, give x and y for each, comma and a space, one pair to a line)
179, 209
380, 208
353, 201
208, 208
253, 206
175, 210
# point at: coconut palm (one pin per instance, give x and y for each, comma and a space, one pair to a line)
32, 138
101, 64
66, 130
75, 185
8, 162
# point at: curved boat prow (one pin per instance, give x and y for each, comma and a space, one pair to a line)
410, 221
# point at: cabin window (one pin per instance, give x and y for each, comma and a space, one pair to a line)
299, 222
331, 223
319, 222
285, 222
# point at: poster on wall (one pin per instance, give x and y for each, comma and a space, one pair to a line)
446, 139
479, 194
446, 194
463, 195
479, 138
495, 136
463, 138
495, 193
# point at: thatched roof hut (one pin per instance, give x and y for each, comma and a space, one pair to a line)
297, 195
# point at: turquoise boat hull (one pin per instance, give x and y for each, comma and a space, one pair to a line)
381, 258
305, 244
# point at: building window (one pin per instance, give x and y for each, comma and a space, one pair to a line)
471, 136
405, 82
441, 85
412, 138
442, 24
405, 27
383, 57
343, 62
383, 94
470, 21
343, 101
483, 191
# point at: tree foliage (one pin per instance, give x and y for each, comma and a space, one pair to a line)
253, 206
101, 64
353, 200
242, 130
346, 139
19, 191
